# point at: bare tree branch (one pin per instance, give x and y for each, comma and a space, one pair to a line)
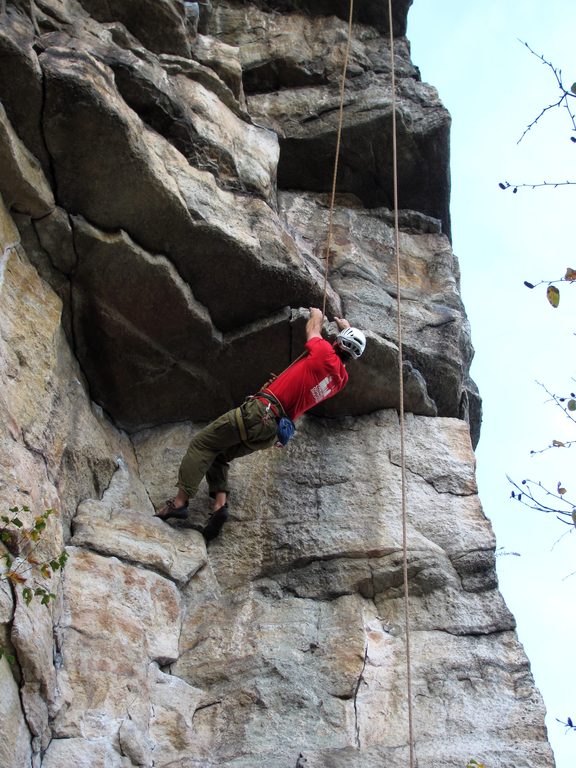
560, 400
536, 496
516, 187
566, 95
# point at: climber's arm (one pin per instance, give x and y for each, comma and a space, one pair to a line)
314, 324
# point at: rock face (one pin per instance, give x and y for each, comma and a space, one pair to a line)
164, 178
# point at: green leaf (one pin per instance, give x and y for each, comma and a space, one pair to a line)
553, 295
9, 658
17, 522
5, 536
8, 559
571, 405
573, 88
47, 597
27, 595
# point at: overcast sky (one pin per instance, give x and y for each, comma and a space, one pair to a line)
494, 88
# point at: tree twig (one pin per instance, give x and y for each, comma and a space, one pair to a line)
535, 185
563, 100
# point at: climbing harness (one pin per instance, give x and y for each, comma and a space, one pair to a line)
286, 426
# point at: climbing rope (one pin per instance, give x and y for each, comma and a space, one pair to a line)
399, 331
336, 158
401, 391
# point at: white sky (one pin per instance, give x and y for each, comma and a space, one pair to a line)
493, 88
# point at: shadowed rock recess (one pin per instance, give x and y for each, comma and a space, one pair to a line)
164, 178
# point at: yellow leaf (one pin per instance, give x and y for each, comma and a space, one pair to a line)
553, 295
570, 274
558, 444
45, 571
561, 490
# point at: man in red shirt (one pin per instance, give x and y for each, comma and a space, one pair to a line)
262, 420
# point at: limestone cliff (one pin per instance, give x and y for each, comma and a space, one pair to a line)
164, 178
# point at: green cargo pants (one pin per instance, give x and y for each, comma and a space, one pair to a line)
213, 448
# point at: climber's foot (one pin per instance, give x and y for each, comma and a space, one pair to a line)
215, 523
171, 510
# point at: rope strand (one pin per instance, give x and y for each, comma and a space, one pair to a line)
401, 391
337, 158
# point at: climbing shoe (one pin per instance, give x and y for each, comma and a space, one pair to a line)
215, 523
169, 510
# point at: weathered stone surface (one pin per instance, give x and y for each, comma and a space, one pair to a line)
294, 64
293, 50
372, 12
117, 619
22, 182
294, 623
164, 204
436, 333
55, 236
21, 82
223, 59
303, 517
174, 705
183, 288
51, 426
15, 747
122, 525
84, 753
159, 24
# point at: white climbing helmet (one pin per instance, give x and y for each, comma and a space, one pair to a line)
351, 340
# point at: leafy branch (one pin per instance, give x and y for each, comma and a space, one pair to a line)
19, 565
567, 405
552, 291
535, 495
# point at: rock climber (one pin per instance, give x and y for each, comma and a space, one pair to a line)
264, 419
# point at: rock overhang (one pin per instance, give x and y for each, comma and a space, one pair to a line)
187, 282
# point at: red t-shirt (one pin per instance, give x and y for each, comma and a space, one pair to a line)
319, 375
